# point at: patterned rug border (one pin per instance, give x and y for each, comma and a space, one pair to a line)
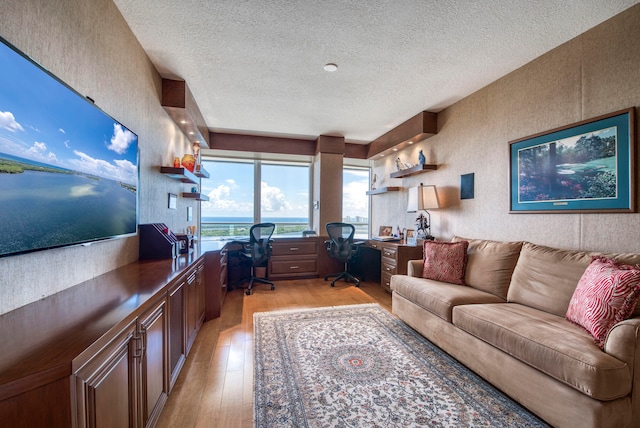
530, 419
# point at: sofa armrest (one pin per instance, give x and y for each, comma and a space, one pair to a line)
623, 342
414, 268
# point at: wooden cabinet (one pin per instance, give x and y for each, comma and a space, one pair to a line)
154, 385
194, 303
294, 258
103, 353
124, 381
393, 259
106, 382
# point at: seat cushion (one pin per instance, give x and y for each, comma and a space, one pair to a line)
438, 297
545, 278
549, 343
490, 264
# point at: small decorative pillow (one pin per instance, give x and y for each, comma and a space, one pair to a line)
445, 261
606, 294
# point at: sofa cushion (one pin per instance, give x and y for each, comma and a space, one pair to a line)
490, 264
545, 278
445, 261
606, 294
549, 343
438, 297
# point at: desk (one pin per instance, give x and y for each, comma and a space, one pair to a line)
393, 258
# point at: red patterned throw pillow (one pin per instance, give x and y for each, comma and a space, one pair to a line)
606, 294
445, 261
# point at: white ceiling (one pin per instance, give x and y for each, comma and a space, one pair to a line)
256, 67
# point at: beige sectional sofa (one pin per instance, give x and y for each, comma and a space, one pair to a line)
507, 323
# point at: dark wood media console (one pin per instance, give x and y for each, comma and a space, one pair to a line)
108, 349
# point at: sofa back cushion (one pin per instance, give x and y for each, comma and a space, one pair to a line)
545, 278
490, 264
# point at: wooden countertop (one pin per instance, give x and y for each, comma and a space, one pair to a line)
39, 341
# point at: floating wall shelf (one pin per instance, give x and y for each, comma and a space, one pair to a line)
414, 170
383, 190
195, 195
183, 174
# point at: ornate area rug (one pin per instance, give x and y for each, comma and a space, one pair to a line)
358, 366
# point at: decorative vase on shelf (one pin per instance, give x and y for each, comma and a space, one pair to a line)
421, 158
189, 162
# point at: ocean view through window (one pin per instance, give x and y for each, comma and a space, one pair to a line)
242, 193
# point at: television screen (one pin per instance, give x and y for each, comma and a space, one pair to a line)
68, 171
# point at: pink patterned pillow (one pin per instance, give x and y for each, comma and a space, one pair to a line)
606, 294
445, 261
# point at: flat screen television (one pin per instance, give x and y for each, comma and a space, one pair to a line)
68, 171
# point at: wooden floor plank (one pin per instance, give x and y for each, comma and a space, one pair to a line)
215, 387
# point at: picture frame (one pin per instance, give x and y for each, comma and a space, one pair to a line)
411, 237
585, 167
385, 231
173, 201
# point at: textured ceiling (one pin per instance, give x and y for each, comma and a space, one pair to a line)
256, 67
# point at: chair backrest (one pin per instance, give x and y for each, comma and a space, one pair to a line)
260, 242
341, 240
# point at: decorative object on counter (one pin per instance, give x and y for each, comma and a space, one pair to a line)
421, 159
466, 186
423, 198
399, 164
189, 162
373, 181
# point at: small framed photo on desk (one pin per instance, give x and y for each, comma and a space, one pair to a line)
411, 237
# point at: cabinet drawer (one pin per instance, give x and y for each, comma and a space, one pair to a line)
294, 248
385, 281
389, 252
294, 267
389, 268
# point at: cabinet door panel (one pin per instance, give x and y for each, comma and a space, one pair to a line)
176, 332
154, 384
105, 385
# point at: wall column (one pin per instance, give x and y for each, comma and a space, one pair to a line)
327, 181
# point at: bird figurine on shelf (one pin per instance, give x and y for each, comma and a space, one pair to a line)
373, 181
421, 158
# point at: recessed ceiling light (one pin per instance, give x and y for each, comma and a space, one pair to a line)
331, 67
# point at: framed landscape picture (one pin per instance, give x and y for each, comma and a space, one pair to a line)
588, 166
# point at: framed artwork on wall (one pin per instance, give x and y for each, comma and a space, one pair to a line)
584, 167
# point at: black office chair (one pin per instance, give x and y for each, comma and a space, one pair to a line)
341, 246
258, 252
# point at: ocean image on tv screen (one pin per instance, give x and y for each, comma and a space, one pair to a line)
68, 171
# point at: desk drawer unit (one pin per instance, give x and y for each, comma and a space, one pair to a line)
294, 258
394, 259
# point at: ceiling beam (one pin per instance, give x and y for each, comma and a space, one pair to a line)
179, 103
419, 127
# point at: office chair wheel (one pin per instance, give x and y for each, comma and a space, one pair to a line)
248, 292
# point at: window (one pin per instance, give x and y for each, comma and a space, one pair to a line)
242, 193
355, 202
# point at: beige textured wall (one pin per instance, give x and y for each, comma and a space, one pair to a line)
89, 46
593, 74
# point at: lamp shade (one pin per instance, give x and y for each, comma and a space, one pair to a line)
422, 198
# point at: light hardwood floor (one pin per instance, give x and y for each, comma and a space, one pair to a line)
215, 387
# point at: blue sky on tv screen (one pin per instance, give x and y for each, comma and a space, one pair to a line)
42, 120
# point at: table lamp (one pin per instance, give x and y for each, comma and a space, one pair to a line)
423, 198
